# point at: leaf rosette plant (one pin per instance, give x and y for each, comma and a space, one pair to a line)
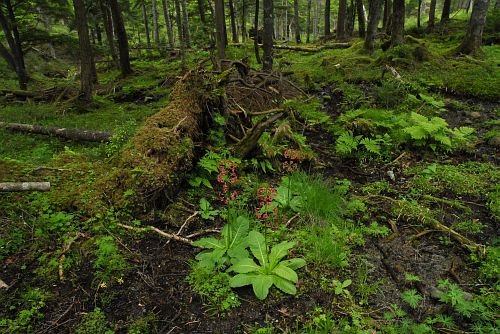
270, 270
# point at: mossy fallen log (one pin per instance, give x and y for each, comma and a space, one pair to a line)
24, 186
73, 134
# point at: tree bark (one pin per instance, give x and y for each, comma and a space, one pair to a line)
432, 16
371, 29
419, 13
398, 22
178, 21
445, 14
24, 186
256, 30
267, 39
219, 29
296, 21
361, 18
146, 26
308, 22
351, 18
327, 18
168, 24
233, 22
185, 19
121, 36
473, 38
108, 29
244, 13
387, 17
73, 134
86, 75
156, 27
341, 20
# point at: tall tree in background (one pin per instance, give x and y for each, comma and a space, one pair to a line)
86, 59
219, 29
419, 13
267, 39
327, 18
244, 13
296, 20
341, 20
15, 56
146, 26
108, 29
156, 26
233, 22
256, 31
432, 16
121, 37
445, 14
308, 22
472, 40
203, 19
185, 25
375, 10
398, 22
361, 18
168, 23
387, 17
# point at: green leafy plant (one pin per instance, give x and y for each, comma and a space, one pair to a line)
109, 264
409, 277
271, 270
231, 246
94, 322
206, 210
341, 287
411, 297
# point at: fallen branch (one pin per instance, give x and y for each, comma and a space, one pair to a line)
185, 223
160, 232
62, 256
24, 186
73, 134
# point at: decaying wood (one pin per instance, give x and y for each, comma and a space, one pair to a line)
73, 134
3, 285
160, 232
49, 94
24, 186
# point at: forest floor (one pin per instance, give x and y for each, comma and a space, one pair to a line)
395, 212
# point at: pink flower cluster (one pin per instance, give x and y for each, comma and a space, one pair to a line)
227, 175
265, 196
293, 157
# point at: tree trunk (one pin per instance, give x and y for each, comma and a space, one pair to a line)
327, 18
387, 16
204, 23
168, 23
445, 14
24, 186
267, 39
15, 57
371, 29
244, 14
308, 22
361, 18
419, 13
233, 22
256, 32
432, 16
73, 134
398, 22
121, 36
472, 40
98, 34
185, 18
219, 29
86, 75
296, 21
146, 27
341, 20
156, 27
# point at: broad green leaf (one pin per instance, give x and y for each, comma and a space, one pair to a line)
238, 252
209, 243
294, 263
206, 183
285, 272
258, 247
204, 204
261, 285
284, 285
241, 280
346, 283
237, 231
279, 251
244, 266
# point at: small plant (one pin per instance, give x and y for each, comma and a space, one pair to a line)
267, 206
271, 270
206, 210
412, 298
94, 322
109, 263
341, 287
409, 277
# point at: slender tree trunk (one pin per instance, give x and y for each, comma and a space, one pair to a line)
341, 20
387, 17
108, 29
156, 26
168, 23
244, 14
361, 18
187, 34
432, 16
351, 18
256, 30
398, 22
219, 29
308, 22
98, 34
371, 29
203, 19
445, 14
296, 20
327, 18
419, 13
233, 22
180, 34
268, 36
473, 38
146, 27
86, 77
121, 36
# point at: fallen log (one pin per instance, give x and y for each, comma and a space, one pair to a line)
73, 134
24, 186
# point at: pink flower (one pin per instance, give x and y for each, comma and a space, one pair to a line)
265, 216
